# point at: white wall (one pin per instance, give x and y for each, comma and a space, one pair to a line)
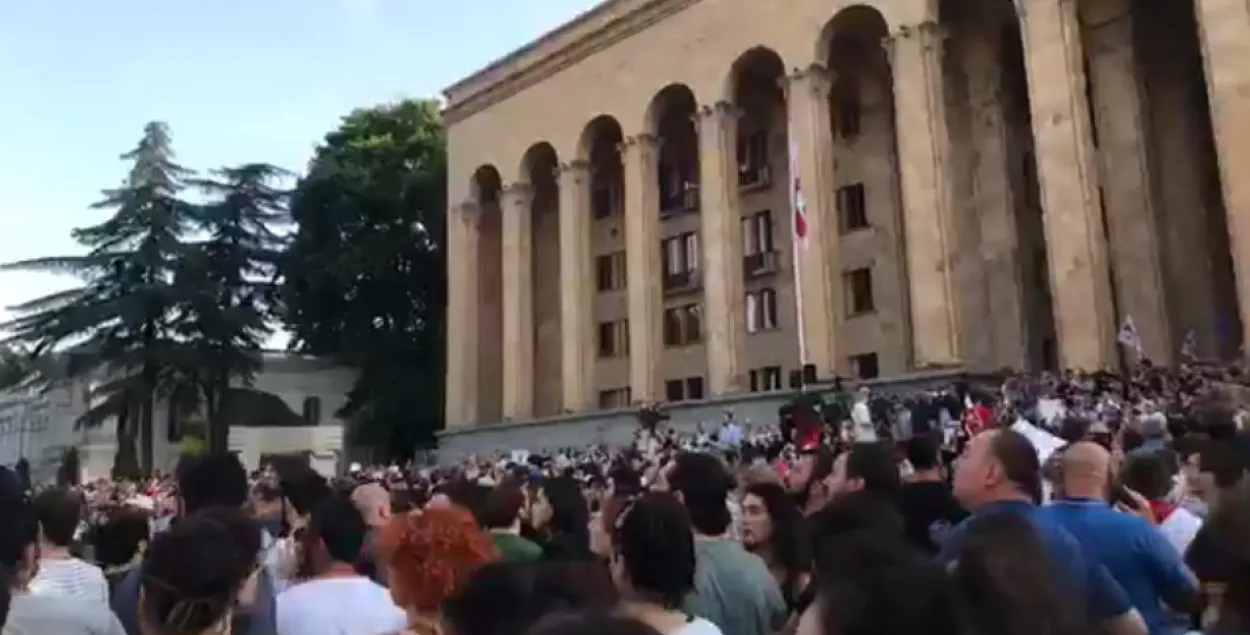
39, 426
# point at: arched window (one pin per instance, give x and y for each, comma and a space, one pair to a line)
312, 410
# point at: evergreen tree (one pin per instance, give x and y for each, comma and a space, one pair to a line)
118, 322
229, 282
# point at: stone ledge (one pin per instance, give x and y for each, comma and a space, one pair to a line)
588, 33
616, 428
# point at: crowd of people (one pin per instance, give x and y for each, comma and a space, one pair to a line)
1047, 505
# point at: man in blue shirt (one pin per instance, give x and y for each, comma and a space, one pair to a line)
1137, 555
999, 472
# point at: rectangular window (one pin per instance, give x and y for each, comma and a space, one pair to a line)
610, 272
757, 233
614, 338
694, 388
770, 377
849, 115
674, 390
761, 309
605, 198
753, 168
852, 207
681, 253
864, 366
859, 298
614, 398
683, 326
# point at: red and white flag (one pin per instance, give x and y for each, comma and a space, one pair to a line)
797, 204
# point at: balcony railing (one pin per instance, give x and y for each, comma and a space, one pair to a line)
764, 263
682, 282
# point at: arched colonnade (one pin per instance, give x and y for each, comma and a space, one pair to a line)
1022, 201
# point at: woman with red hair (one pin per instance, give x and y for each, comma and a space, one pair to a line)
428, 554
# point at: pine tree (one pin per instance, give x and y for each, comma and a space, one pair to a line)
229, 282
118, 322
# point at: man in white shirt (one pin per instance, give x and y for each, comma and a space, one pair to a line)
861, 416
337, 600
59, 512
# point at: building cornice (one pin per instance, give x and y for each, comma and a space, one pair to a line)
590, 32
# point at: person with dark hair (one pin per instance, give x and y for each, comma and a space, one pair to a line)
59, 512
1148, 475
1003, 584
653, 563
30, 614
866, 466
501, 516
561, 518
192, 574
732, 588
773, 529
999, 472
117, 542
507, 598
336, 599
809, 481
926, 502
598, 622
879, 585
204, 482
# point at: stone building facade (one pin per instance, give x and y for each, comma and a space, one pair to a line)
987, 183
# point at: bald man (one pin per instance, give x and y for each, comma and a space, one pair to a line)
374, 503
1140, 558
999, 472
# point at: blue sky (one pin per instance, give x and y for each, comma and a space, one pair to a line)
237, 80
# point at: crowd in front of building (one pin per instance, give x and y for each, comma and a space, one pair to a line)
1047, 505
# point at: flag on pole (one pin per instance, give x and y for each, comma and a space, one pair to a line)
798, 213
1189, 346
797, 204
1128, 336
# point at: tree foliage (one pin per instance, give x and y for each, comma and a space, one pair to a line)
229, 284
16, 367
173, 299
365, 276
119, 319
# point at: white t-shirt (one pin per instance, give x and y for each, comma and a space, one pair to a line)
338, 606
697, 626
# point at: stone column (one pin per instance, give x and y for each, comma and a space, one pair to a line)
463, 305
1067, 173
576, 287
639, 157
924, 158
807, 98
721, 244
1224, 29
518, 301
1120, 121
994, 199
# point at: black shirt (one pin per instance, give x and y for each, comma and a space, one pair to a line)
928, 510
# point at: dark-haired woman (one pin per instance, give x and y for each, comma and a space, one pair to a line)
1004, 586
653, 563
772, 528
560, 519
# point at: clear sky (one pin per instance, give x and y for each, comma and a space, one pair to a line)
237, 80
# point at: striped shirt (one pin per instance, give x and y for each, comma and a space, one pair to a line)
71, 578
